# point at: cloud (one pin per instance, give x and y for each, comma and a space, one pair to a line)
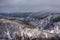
28, 5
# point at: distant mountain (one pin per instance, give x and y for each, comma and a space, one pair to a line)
17, 15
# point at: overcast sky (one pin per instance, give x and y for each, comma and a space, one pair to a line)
29, 5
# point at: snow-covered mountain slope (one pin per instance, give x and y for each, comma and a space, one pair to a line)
13, 29
45, 21
30, 28
9, 28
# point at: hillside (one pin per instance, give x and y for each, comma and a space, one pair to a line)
32, 28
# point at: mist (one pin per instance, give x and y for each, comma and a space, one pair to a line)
29, 5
